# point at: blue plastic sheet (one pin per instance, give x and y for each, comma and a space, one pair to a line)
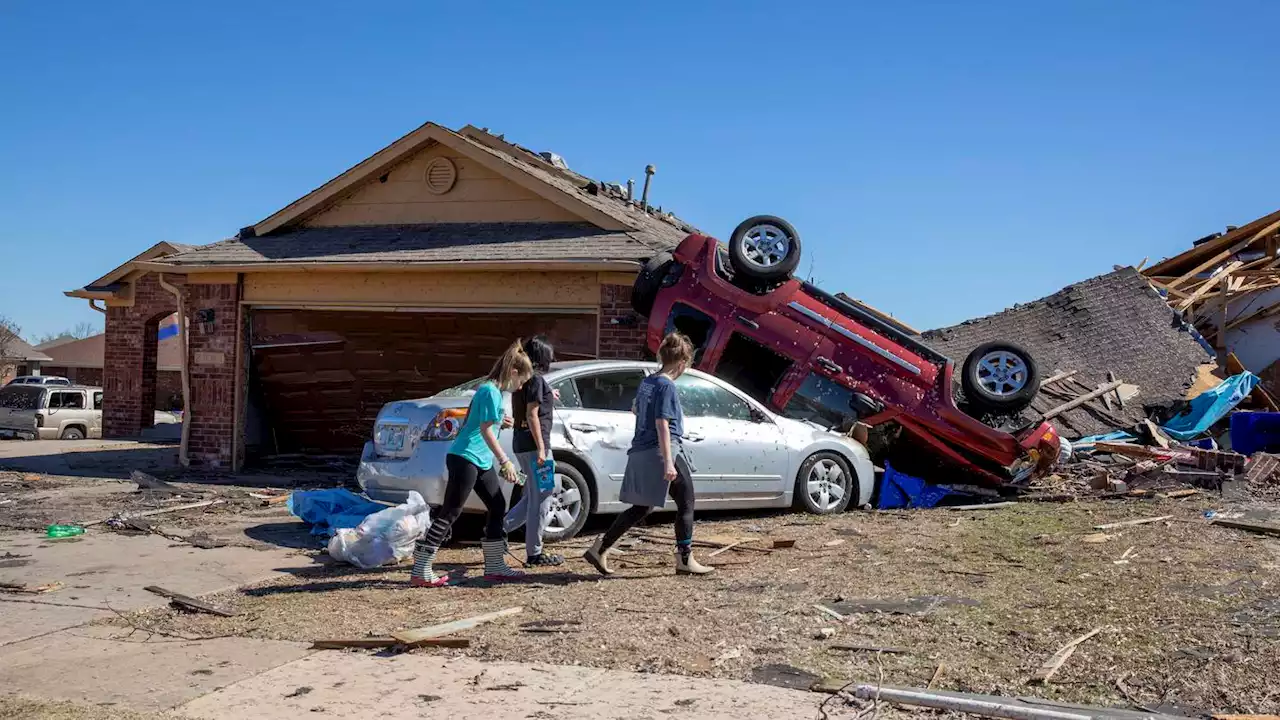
899, 490
1253, 432
1211, 406
328, 510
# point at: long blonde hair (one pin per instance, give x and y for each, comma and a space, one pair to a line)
513, 368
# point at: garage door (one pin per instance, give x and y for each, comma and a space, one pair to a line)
318, 378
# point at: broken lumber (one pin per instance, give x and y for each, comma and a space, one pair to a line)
1257, 527
1102, 390
161, 511
1130, 523
964, 703
418, 636
730, 546
828, 611
784, 543
1057, 377
1056, 660
869, 648
983, 506
386, 642
702, 543
187, 602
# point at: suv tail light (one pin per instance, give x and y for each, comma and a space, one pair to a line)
445, 425
39, 420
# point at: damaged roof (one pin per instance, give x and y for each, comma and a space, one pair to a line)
1111, 323
414, 244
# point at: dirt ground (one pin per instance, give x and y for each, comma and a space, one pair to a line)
1190, 617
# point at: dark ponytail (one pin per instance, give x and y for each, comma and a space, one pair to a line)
540, 352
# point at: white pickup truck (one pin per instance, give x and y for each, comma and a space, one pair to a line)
50, 412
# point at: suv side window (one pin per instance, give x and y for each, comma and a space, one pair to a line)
66, 400
703, 398
822, 401
97, 401
59, 381
610, 390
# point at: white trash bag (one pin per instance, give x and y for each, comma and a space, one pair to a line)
384, 537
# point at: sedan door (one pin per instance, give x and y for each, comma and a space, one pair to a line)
594, 412
739, 452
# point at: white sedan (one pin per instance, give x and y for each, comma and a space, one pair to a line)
746, 456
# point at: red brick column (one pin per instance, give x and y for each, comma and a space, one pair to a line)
622, 331
212, 367
129, 358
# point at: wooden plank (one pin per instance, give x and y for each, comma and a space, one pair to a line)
161, 511
189, 602
1108, 387
1059, 376
1219, 257
1220, 342
386, 642
1131, 523
983, 506
1224, 277
412, 638
1056, 660
1257, 527
868, 648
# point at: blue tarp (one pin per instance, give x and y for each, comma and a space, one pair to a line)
328, 510
899, 490
1206, 409
1211, 406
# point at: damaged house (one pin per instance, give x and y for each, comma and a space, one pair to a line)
1113, 327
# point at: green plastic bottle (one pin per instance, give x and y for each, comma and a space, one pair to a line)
63, 531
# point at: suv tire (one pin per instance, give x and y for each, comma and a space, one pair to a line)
72, 433
821, 467
1000, 377
764, 248
644, 292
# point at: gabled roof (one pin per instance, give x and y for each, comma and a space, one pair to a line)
158, 250
89, 353
18, 349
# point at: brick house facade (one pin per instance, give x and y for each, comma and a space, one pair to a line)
395, 279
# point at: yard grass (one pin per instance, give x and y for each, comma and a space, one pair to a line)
1192, 617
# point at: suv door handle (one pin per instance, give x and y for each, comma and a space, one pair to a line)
693, 437
584, 427
749, 322
828, 365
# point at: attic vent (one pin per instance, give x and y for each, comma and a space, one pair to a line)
441, 175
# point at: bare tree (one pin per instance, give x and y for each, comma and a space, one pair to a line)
81, 331
8, 335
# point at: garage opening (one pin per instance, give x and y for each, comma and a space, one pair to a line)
317, 378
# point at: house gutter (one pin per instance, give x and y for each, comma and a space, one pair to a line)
443, 266
183, 459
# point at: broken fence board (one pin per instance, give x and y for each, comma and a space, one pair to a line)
869, 648
1108, 387
1129, 523
161, 511
983, 506
386, 642
189, 602
1056, 660
413, 637
1257, 527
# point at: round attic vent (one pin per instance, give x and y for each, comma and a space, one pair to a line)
441, 175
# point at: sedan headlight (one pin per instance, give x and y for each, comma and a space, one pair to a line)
445, 425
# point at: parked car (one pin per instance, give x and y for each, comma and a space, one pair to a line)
47, 412
808, 354
38, 380
746, 455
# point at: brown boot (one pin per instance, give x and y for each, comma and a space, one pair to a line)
598, 557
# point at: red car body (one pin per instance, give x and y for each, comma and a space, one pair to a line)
829, 340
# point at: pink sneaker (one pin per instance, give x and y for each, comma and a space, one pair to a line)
419, 582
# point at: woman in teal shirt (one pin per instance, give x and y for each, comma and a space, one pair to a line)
475, 460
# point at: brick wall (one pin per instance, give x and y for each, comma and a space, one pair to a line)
129, 358
212, 367
622, 331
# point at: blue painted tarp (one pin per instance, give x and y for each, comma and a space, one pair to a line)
899, 490
328, 510
1206, 409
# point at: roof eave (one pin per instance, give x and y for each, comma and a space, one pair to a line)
578, 265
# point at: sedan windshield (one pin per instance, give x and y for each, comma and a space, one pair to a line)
466, 388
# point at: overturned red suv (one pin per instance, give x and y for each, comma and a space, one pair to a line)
811, 355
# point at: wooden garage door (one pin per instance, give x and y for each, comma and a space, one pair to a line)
319, 377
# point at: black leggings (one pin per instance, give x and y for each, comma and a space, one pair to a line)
681, 491
464, 477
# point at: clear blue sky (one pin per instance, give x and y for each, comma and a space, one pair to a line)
941, 159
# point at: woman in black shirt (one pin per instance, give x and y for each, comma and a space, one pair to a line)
531, 407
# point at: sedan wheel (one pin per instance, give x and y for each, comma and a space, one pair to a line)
825, 484
570, 504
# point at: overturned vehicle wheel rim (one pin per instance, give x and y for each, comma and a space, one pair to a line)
825, 484
566, 505
766, 246
1002, 373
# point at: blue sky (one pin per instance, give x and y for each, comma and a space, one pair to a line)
941, 160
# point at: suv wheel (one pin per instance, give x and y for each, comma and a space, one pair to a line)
645, 290
764, 248
570, 504
825, 484
73, 433
1000, 377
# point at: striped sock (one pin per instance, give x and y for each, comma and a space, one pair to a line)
423, 557
495, 564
